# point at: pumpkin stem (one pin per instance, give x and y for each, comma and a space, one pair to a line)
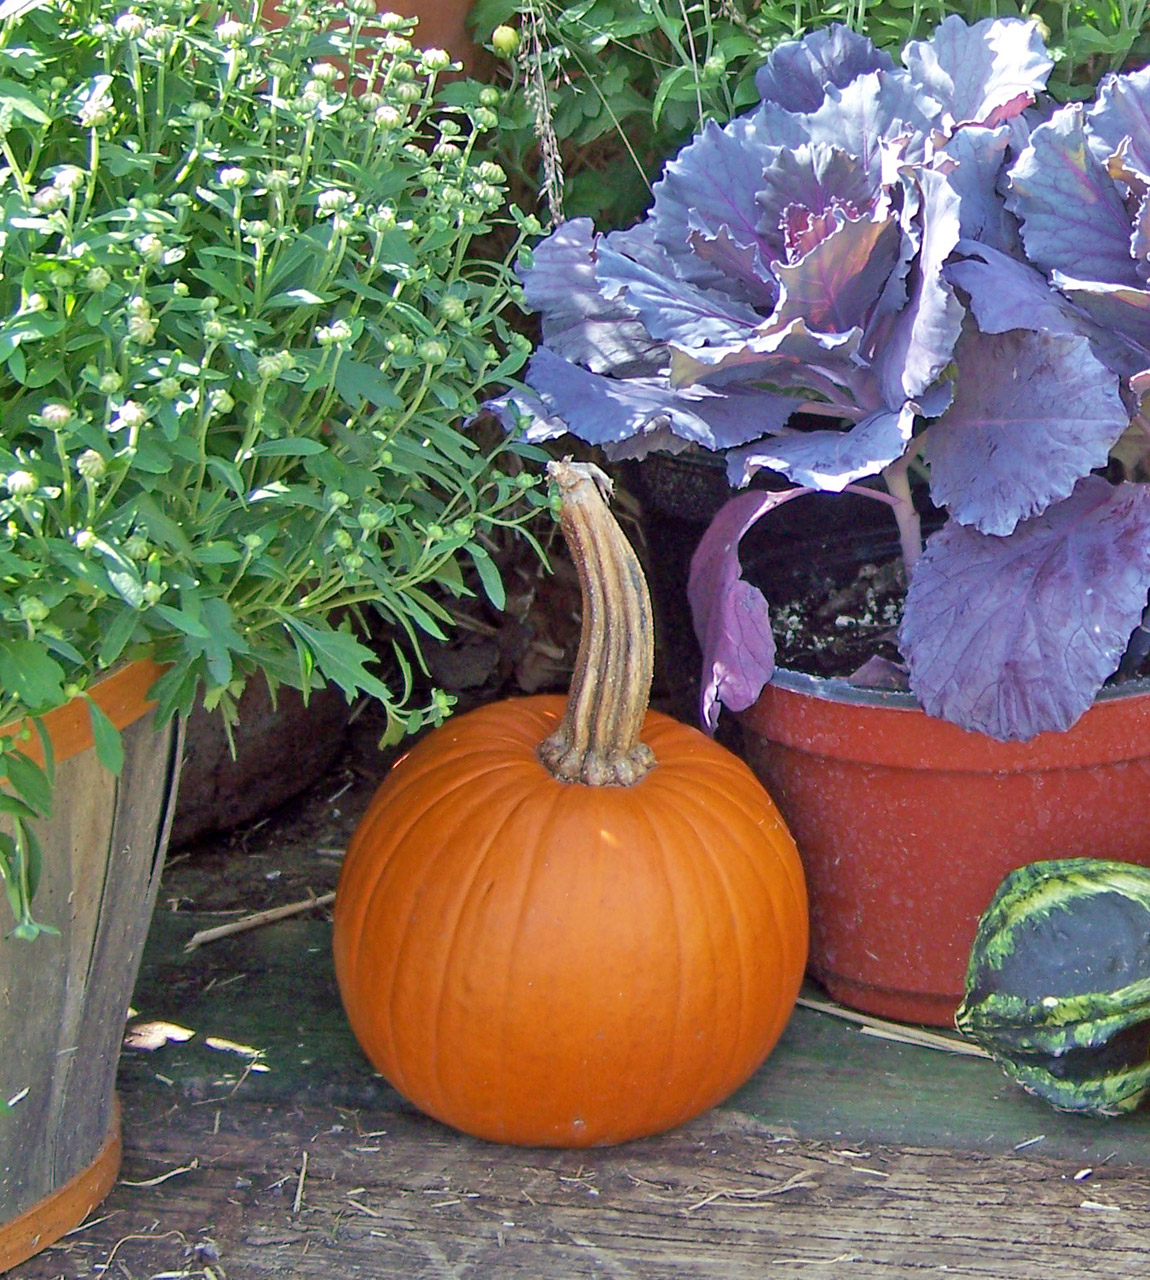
597, 741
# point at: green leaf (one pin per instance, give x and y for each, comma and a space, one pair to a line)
229, 473
293, 447
219, 553
182, 621
117, 636
30, 781
18, 8
223, 639
17, 365
15, 808
27, 672
297, 298
109, 744
357, 382
161, 528
21, 102
488, 574
667, 86
340, 657
47, 748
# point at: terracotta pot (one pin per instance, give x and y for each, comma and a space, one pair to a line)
64, 998
282, 747
906, 824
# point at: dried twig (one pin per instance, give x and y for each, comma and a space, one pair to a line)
257, 919
299, 1185
163, 1177
801, 1181
895, 1031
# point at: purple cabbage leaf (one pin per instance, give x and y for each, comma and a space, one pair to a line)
1072, 214
798, 73
707, 195
607, 411
673, 310
1014, 636
1043, 413
914, 345
982, 74
731, 617
577, 322
972, 160
1119, 120
932, 270
828, 460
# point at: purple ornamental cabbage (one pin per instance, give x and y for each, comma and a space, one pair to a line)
816, 256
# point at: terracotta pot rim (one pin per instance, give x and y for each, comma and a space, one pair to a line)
888, 728
840, 689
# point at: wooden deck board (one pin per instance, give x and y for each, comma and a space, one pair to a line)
842, 1157
716, 1200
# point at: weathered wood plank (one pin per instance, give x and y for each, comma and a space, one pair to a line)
63, 998
389, 1194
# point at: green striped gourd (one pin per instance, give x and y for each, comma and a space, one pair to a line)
1058, 983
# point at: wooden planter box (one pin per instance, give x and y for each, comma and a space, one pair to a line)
64, 1000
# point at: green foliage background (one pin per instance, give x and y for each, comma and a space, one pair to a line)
606, 90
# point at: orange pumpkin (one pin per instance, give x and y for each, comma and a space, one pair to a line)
570, 927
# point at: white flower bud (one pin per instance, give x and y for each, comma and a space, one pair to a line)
142, 329
56, 416
20, 484
70, 178
48, 200
232, 32
131, 414
331, 199
91, 465
130, 26
150, 247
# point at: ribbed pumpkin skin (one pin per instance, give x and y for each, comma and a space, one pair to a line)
550, 963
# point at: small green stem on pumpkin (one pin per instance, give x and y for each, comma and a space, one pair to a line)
597, 741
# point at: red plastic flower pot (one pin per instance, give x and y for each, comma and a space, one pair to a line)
907, 824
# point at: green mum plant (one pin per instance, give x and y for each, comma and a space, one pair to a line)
245, 306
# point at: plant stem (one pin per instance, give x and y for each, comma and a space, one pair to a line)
597, 741
909, 525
